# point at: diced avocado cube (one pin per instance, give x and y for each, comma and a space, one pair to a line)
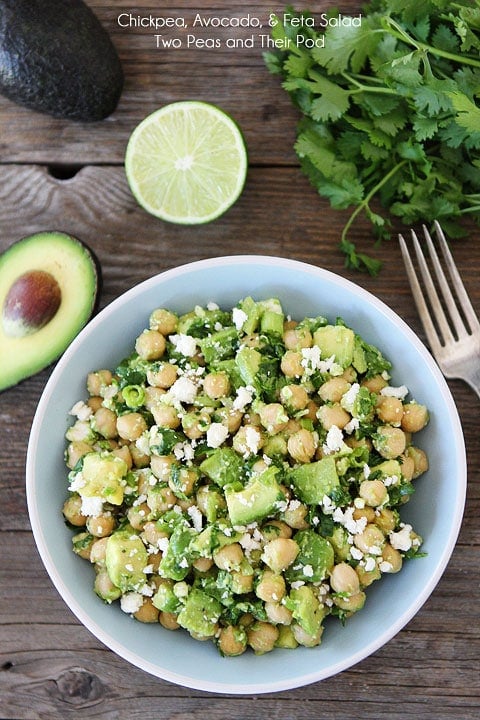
306, 609
252, 311
256, 500
200, 614
388, 468
359, 360
248, 362
272, 317
222, 466
176, 561
103, 475
219, 345
286, 638
125, 559
339, 541
336, 340
315, 559
312, 481
165, 599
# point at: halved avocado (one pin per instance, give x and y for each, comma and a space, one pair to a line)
49, 286
57, 58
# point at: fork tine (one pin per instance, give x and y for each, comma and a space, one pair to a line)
463, 298
450, 301
417, 293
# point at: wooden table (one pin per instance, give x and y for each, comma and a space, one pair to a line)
69, 176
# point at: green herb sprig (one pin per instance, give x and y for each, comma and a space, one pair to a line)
389, 112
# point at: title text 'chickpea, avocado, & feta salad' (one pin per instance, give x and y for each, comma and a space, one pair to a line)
241, 475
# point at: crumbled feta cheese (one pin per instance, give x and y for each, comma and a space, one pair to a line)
148, 569
142, 444
333, 441
216, 435
328, 506
162, 544
370, 564
239, 318
81, 410
252, 439
77, 482
196, 516
92, 506
385, 566
391, 480
359, 503
183, 390
352, 425
248, 543
366, 471
349, 397
211, 305
131, 602
356, 553
401, 540
244, 397
349, 523
396, 392
297, 584
186, 345
308, 570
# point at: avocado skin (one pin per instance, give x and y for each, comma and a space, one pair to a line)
56, 58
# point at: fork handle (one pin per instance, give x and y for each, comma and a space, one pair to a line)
471, 375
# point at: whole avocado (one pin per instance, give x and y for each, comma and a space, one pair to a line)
56, 58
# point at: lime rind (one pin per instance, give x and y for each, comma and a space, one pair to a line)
187, 163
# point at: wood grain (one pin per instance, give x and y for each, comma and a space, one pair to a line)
50, 665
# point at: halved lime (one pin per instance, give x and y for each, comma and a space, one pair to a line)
187, 162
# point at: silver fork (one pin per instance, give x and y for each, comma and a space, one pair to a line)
451, 325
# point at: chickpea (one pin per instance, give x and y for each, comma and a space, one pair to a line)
124, 454
98, 551
295, 515
150, 345
229, 557
311, 411
195, 424
394, 559
303, 638
279, 553
163, 320
162, 465
365, 512
248, 440
183, 483
297, 338
262, 637
334, 389
349, 374
139, 458
168, 620
386, 520
294, 397
373, 492
138, 515
143, 478
82, 544
131, 426
104, 587
94, 403
275, 529
164, 376
344, 579
147, 613
415, 417
291, 364
330, 415
420, 460
370, 541
351, 603
407, 465
96, 381
160, 499
76, 450
72, 511
390, 441
232, 419
101, 526
216, 385
389, 410
273, 418
153, 396
271, 587
375, 384
302, 445
105, 422
232, 640
203, 564
278, 614
151, 534
367, 577
165, 416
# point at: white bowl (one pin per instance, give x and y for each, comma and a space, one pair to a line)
435, 510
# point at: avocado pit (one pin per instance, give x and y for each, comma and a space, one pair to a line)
32, 301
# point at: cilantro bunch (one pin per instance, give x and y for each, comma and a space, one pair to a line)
389, 112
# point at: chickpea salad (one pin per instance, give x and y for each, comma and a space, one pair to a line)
241, 475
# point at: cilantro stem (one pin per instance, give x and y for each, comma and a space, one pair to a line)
367, 88
366, 201
397, 31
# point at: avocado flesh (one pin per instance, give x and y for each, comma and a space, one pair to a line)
77, 273
56, 58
